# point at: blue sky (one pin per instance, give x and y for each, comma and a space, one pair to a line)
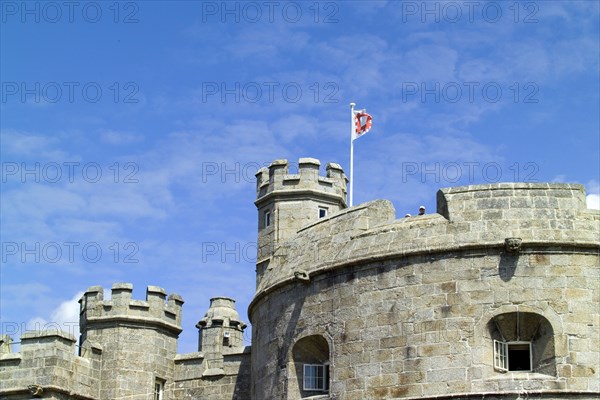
131, 131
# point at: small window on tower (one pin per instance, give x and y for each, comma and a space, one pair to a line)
522, 342
316, 377
309, 372
322, 212
519, 356
267, 218
159, 387
512, 356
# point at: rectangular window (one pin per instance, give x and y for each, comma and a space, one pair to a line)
519, 356
512, 356
315, 377
322, 212
267, 218
500, 356
159, 386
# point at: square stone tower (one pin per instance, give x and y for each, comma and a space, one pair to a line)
287, 202
138, 339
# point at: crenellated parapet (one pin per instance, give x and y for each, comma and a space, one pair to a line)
277, 180
157, 310
287, 202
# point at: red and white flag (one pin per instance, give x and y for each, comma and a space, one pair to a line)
362, 123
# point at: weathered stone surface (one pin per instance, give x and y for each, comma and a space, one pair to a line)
423, 290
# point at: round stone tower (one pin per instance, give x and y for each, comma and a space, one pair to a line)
221, 330
494, 296
287, 202
220, 333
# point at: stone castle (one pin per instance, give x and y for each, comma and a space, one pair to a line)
496, 295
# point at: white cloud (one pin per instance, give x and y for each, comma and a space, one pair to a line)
561, 178
64, 317
119, 138
593, 186
22, 144
593, 201
593, 197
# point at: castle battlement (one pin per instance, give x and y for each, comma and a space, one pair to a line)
276, 180
157, 309
45, 343
50, 339
468, 217
287, 202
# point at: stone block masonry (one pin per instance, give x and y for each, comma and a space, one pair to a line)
409, 307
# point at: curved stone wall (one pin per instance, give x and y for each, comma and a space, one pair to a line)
408, 307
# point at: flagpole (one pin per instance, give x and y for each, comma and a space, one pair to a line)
351, 151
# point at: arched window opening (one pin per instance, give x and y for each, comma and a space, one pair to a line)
522, 341
309, 367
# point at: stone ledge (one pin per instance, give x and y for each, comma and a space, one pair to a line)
189, 356
10, 357
459, 203
511, 185
133, 319
29, 335
213, 372
500, 393
295, 192
47, 389
521, 376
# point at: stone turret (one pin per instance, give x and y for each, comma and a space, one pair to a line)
138, 338
287, 202
220, 333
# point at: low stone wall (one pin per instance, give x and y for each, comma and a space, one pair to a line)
47, 361
234, 383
